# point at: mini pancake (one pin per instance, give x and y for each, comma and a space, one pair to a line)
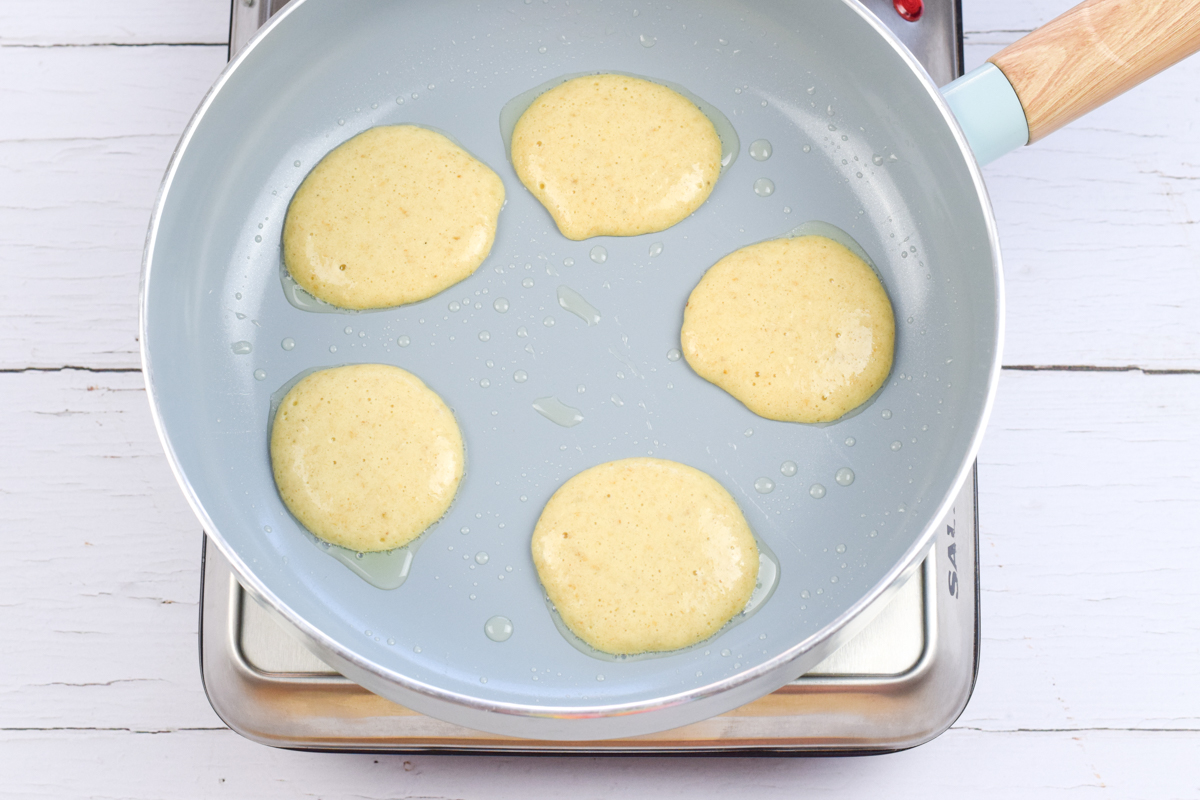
612, 155
644, 555
392, 216
799, 330
366, 456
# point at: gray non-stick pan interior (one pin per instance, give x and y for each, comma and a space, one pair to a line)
859, 142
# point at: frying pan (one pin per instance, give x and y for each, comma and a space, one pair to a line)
862, 141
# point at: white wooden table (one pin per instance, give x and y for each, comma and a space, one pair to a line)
1089, 478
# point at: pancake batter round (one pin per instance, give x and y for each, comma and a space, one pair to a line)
800, 330
613, 155
392, 216
366, 456
644, 555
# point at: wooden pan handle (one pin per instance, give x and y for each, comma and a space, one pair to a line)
1094, 52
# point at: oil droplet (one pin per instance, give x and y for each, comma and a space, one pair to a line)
257, 238
568, 262
403, 341
260, 374
288, 344
849, 441
764, 486
647, 41
817, 491
673, 354
722, 41
601, 677
520, 376
656, 249
580, 388
464, 530
896, 446
886, 413
598, 254
548, 322
484, 336
481, 558
788, 468
348, 330
617, 401
296, 163
454, 306
501, 303
727, 652
527, 283
333, 348
498, 629
558, 412
764, 187
542, 49
521, 332
574, 302
749, 432
844, 477
760, 150
267, 528
877, 160
241, 348
807, 148
485, 383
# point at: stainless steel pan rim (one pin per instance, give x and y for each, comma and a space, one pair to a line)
569, 722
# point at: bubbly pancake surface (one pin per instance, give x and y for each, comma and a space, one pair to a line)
797, 329
644, 555
392, 216
613, 155
366, 456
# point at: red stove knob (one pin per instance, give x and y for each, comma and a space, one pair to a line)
911, 10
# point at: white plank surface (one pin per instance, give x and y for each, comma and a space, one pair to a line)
37, 23
982, 766
1089, 480
85, 136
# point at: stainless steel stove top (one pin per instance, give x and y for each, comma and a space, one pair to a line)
902, 681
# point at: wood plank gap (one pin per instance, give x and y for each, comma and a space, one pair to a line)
21, 46
69, 368
1089, 368
1072, 730
113, 730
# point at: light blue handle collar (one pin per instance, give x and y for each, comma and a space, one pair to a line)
989, 112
